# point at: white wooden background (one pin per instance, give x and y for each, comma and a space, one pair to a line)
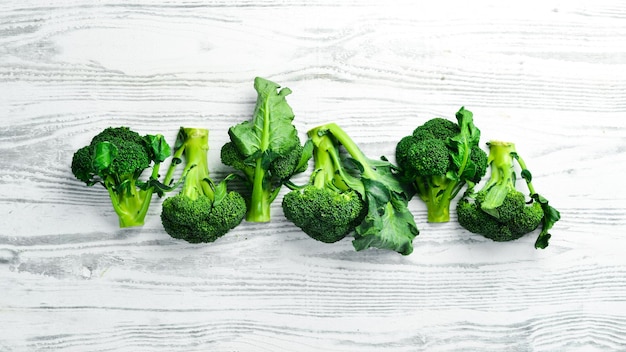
549, 75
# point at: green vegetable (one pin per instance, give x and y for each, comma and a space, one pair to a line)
439, 158
202, 211
384, 221
116, 158
499, 211
266, 150
326, 208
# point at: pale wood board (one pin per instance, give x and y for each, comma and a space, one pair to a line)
549, 75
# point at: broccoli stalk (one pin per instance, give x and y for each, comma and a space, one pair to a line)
386, 223
201, 211
267, 149
116, 159
498, 210
439, 158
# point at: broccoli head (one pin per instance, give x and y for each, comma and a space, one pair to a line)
501, 212
202, 211
439, 158
349, 191
266, 149
325, 208
323, 213
116, 158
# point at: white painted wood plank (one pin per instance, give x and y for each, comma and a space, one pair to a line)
548, 75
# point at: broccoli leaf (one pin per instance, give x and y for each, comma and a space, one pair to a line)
550, 217
388, 223
105, 153
270, 133
462, 143
158, 147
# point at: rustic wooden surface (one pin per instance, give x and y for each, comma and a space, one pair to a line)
549, 75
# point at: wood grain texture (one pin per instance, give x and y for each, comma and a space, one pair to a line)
549, 75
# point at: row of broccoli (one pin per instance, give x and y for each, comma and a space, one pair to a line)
347, 192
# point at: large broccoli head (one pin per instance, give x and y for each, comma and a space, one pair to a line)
514, 219
116, 158
501, 212
200, 220
202, 211
439, 158
325, 214
266, 149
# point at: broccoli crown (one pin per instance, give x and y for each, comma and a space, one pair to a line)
422, 157
323, 213
201, 220
354, 192
499, 211
116, 158
514, 217
286, 165
266, 149
202, 211
116, 151
437, 128
439, 158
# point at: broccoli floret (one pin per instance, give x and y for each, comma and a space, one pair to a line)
202, 211
351, 193
439, 158
116, 158
325, 208
267, 149
501, 212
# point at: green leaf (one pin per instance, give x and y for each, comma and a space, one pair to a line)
389, 225
494, 198
271, 132
307, 154
461, 145
159, 149
526, 175
219, 192
104, 154
550, 217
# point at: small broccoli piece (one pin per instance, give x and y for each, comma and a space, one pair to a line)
351, 193
325, 208
116, 158
267, 149
439, 158
202, 211
501, 212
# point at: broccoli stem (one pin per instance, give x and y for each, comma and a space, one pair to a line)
328, 160
130, 204
435, 191
261, 198
195, 148
355, 152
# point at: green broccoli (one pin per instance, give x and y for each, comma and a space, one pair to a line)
499, 211
439, 158
202, 211
326, 208
266, 150
380, 218
116, 158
